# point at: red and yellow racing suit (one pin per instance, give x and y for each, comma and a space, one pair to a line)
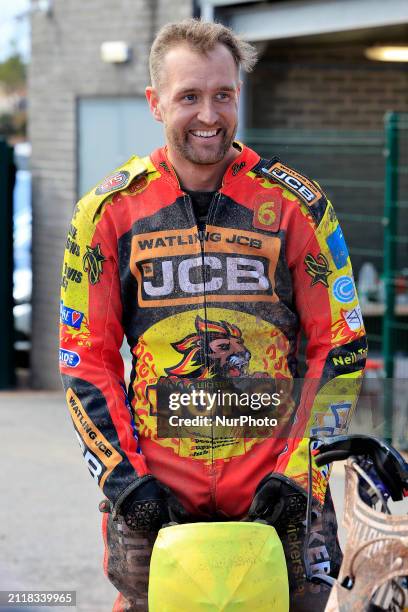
271, 262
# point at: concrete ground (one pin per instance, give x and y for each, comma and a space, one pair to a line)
50, 535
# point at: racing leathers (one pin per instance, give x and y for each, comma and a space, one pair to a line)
230, 300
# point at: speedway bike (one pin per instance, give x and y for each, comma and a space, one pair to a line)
241, 567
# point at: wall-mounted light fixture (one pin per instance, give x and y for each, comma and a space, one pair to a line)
388, 53
115, 52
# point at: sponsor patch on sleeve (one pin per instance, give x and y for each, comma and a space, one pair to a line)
332, 422
338, 248
353, 318
115, 181
69, 316
100, 455
344, 290
347, 358
318, 269
69, 358
93, 263
295, 182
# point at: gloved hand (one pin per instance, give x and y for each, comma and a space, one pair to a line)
282, 503
151, 505
275, 495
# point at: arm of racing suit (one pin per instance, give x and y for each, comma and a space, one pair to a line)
91, 335
327, 304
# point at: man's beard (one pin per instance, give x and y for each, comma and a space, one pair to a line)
195, 154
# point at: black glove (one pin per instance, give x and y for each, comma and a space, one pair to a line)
282, 503
151, 505
275, 495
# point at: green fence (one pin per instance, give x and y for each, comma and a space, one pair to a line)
350, 167
365, 175
395, 322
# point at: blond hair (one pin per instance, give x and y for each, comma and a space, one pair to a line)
201, 36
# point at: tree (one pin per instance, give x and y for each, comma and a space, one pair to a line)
13, 72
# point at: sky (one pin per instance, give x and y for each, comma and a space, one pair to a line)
14, 29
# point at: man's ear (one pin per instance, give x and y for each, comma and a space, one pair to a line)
153, 102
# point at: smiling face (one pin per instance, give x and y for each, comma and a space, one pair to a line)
197, 101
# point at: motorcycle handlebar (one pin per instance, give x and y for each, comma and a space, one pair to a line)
391, 467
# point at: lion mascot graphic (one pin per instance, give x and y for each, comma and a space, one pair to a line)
221, 352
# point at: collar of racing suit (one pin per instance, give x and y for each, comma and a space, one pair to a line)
246, 160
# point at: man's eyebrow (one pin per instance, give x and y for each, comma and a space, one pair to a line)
195, 89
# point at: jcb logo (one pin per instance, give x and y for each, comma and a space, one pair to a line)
219, 276
173, 269
295, 182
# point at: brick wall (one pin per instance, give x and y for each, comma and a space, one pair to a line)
66, 64
324, 86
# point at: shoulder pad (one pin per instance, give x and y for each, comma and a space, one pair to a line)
116, 181
300, 185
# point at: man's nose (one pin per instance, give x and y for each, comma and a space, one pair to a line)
207, 113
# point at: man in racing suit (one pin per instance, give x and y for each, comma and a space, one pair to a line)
210, 260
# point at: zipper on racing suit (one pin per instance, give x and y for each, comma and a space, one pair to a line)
201, 236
